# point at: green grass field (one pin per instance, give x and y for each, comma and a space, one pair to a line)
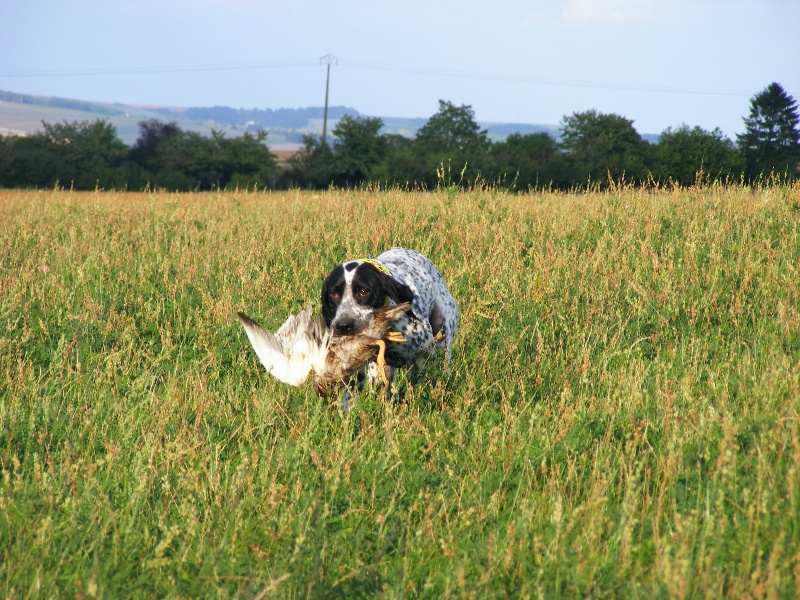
621, 418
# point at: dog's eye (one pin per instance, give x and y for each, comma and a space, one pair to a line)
334, 295
362, 293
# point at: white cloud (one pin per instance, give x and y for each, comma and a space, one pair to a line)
614, 11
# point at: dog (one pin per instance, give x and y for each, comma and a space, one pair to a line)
356, 288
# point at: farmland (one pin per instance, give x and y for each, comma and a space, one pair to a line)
621, 417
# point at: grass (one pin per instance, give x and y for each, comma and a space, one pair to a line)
621, 418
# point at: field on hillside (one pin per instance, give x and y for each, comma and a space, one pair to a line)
622, 416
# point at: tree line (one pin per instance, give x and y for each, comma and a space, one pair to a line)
450, 149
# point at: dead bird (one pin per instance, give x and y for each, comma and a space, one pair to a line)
303, 346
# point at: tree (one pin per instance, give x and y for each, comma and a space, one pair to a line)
246, 160
184, 160
192, 162
313, 166
153, 136
31, 161
523, 159
163, 156
452, 130
771, 141
451, 138
402, 164
602, 145
683, 152
83, 155
358, 149
92, 153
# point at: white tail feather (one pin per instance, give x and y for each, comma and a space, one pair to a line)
291, 353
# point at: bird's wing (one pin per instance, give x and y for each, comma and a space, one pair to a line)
298, 347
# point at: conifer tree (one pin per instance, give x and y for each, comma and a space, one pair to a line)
771, 141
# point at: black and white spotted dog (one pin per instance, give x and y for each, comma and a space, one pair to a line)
355, 288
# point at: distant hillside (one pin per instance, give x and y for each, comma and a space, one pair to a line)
24, 113
286, 118
310, 120
61, 103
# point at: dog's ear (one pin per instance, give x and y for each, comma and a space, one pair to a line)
328, 308
399, 292
329, 304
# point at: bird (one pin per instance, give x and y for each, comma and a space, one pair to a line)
303, 347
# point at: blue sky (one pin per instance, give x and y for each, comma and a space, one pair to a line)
660, 63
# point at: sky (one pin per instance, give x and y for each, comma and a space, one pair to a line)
659, 63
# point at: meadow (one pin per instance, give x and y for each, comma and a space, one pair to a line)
621, 417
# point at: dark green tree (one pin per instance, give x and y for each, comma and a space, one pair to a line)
5, 155
683, 153
522, 160
83, 155
358, 149
91, 151
31, 161
771, 141
246, 160
402, 165
154, 136
312, 167
145, 157
451, 139
452, 130
166, 156
192, 162
604, 145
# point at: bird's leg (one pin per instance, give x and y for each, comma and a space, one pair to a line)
381, 360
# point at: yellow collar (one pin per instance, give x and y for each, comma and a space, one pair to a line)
377, 264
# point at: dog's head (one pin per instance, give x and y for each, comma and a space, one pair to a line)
353, 290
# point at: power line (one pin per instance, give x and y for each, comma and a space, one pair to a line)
541, 81
156, 70
452, 73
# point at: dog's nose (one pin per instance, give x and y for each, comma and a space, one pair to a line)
344, 327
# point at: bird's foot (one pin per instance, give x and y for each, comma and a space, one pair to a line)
395, 336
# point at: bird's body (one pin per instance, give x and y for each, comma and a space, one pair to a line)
303, 347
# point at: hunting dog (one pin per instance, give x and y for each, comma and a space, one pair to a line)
356, 288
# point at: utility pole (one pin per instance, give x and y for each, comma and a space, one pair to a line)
328, 58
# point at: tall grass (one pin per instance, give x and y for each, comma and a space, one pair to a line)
621, 417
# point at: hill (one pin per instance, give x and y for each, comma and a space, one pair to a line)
23, 114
